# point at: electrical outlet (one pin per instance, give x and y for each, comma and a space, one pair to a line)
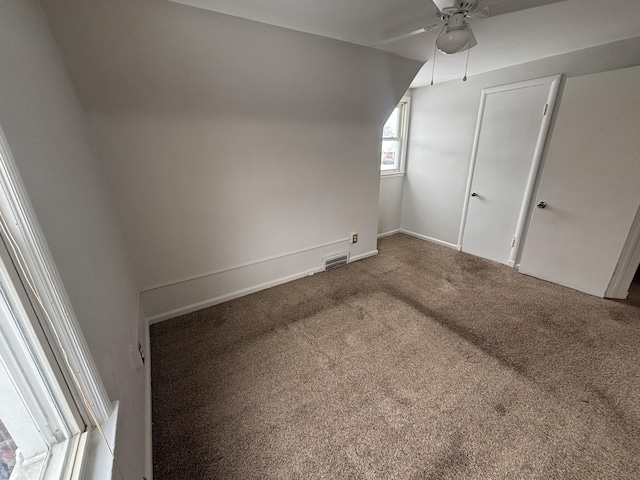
354, 238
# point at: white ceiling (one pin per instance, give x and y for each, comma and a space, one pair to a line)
503, 40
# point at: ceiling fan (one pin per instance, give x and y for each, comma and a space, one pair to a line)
454, 16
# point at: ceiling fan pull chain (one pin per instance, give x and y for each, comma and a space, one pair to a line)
433, 61
466, 67
435, 53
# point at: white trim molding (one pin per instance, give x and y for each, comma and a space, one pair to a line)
148, 434
242, 265
628, 263
160, 317
430, 239
187, 295
23, 226
404, 134
389, 233
100, 463
554, 84
362, 256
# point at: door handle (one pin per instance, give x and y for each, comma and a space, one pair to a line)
474, 194
541, 204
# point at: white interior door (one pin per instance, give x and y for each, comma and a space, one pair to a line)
591, 183
512, 126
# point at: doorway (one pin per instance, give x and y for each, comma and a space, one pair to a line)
510, 134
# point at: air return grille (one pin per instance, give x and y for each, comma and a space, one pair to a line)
336, 261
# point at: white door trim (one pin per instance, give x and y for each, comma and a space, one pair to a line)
628, 263
25, 230
535, 165
554, 82
472, 165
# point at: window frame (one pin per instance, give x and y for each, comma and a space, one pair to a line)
31, 256
38, 261
44, 419
402, 139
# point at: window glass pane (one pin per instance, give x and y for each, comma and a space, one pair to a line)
7, 451
389, 155
390, 128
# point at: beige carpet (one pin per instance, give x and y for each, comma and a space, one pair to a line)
419, 363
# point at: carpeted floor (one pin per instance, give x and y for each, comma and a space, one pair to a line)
419, 363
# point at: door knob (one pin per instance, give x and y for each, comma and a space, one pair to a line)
541, 204
474, 194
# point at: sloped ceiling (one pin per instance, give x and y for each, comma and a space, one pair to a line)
503, 40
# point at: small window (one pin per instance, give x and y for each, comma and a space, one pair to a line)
394, 139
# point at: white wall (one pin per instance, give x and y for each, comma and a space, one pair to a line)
390, 203
443, 119
226, 142
48, 134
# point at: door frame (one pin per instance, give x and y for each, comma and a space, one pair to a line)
628, 263
554, 82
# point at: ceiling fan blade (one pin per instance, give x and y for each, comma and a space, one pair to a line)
501, 7
405, 35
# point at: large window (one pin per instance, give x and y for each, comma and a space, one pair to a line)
394, 139
41, 424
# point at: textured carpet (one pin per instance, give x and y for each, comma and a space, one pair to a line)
419, 363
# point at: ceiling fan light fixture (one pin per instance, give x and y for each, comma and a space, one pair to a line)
455, 36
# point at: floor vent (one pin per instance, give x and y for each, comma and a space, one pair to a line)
336, 261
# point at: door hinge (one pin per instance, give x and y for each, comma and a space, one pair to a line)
546, 106
513, 242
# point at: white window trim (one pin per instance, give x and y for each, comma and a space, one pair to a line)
38, 411
392, 174
24, 227
403, 144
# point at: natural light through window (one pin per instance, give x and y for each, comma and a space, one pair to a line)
40, 424
394, 135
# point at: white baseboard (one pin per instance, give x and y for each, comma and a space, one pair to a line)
188, 294
363, 256
240, 292
229, 296
390, 232
430, 239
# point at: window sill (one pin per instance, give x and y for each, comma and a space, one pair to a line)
391, 174
99, 463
